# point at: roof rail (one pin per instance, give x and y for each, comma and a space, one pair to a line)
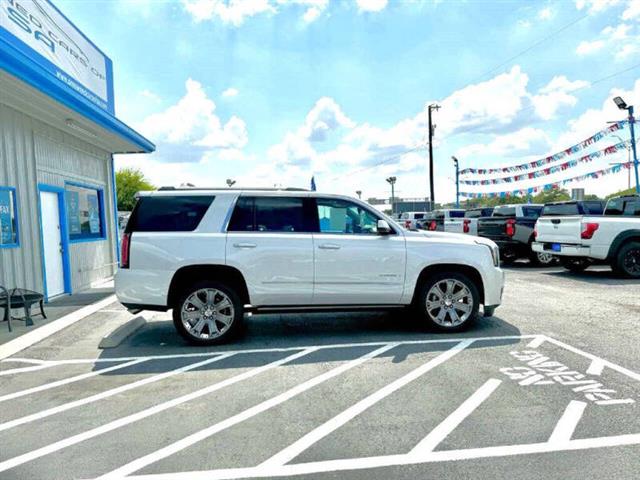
263, 189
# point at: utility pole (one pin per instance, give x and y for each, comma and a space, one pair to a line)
392, 182
629, 108
359, 193
455, 161
431, 129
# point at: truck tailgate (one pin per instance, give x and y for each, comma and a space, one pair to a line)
559, 229
493, 228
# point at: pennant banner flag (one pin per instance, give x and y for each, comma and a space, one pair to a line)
552, 158
549, 186
551, 170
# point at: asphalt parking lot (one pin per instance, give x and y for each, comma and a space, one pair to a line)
547, 388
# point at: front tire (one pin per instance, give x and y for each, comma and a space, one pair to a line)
575, 264
208, 313
448, 301
627, 261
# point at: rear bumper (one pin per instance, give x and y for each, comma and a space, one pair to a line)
516, 248
140, 288
566, 250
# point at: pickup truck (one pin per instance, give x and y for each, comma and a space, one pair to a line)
580, 241
446, 220
471, 216
413, 220
511, 227
212, 255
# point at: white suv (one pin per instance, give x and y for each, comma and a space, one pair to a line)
212, 255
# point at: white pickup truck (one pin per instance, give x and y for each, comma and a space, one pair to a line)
211, 255
446, 220
579, 241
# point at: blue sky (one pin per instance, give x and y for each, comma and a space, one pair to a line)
273, 91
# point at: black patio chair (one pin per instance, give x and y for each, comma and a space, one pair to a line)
20, 298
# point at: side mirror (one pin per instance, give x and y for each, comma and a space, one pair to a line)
383, 227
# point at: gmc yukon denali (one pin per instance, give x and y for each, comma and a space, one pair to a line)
212, 255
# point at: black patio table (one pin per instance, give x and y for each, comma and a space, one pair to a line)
20, 298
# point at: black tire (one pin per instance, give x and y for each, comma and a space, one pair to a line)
575, 264
627, 260
212, 317
542, 259
426, 293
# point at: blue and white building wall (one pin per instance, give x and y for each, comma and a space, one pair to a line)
58, 132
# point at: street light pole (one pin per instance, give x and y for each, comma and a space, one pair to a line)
622, 105
455, 161
431, 128
359, 193
392, 182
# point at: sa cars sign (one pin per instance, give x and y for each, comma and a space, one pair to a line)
40, 31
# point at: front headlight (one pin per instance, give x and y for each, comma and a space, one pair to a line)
495, 253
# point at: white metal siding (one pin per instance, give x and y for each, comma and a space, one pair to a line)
33, 152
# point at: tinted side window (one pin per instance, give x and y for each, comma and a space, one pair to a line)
561, 209
614, 207
168, 214
339, 216
456, 214
632, 207
531, 212
419, 216
269, 214
504, 212
594, 208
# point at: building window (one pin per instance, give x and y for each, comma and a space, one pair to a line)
9, 236
85, 212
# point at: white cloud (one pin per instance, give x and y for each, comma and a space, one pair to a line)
546, 13
371, 5
525, 141
233, 11
596, 6
190, 123
150, 95
632, 12
230, 92
587, 48
556, 95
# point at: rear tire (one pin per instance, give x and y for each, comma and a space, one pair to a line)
208, 313
543, 259
448, 301
575, 264
627, 261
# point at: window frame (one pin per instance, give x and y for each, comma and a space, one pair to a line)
101, 208
374, 214
14, 196
310, 219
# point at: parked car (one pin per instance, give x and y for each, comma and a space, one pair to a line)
212, 255
446, 220
573, 207
413, 220
580, 241
511, 227
471, 216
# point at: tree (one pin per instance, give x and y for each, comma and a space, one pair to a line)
130, 181
629, 191
553, 195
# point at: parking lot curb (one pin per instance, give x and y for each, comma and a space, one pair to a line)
124, 331
31, 338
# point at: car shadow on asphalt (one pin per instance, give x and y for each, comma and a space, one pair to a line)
598, 276
292, 331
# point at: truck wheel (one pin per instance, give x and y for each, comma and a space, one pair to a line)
543, 259
627, 261
575, 264
208, 313
449, 301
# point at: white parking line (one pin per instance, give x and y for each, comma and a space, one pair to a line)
81, 437
295, 449
283, 349
242, 416
106, 394
69, 380
33, 368
438, 434
536, 342
565, 427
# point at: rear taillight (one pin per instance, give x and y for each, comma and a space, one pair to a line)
407, 224
510, 228
124, 250
433, 225
465, 225
588, 230
535, 233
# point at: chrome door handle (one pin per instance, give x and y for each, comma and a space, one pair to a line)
329, 246
245, 245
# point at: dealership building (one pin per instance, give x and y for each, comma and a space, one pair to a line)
58, 134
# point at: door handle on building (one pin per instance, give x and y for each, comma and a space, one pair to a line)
245, 245
329, 246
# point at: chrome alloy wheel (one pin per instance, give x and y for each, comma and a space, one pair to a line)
207, 313
449, 303
545, 258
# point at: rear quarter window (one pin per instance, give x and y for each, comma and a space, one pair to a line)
168, 214
531, 212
